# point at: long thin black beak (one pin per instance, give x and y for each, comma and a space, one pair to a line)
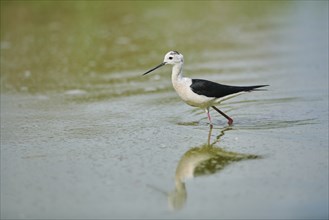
158, 66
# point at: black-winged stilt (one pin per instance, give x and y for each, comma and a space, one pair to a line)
199, 92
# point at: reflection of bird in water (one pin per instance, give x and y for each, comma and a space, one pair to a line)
204, 160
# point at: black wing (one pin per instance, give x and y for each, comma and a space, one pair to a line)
216, 90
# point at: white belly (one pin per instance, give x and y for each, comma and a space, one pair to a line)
183, 89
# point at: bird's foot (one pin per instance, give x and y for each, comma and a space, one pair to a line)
230, 121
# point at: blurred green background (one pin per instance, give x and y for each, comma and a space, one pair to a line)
60, 45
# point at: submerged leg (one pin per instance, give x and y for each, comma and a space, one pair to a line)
208, 114
209, 134
230, 120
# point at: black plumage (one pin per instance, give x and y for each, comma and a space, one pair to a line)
216, 90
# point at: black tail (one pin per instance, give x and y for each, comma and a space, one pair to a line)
255, 88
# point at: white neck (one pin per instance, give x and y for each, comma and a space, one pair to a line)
177, 72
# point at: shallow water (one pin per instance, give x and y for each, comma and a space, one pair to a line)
84, 135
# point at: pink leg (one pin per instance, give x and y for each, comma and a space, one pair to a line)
208, 114
209, 117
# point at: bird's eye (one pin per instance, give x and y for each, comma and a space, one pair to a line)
170, 58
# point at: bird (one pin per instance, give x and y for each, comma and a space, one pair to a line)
200, 93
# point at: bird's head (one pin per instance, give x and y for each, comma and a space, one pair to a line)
172, 58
